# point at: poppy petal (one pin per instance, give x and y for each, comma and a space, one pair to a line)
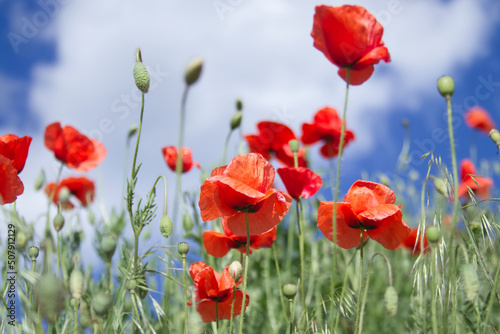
15, 149
232, 193
300, 182
364, 195
217, 244
209, 209
252, 170
264, 240
206, 308
391, 232
11, 185
195, 268
373, 217
356, 77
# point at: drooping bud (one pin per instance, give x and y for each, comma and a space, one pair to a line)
40, 180
495, 136
183, 248
470, 281
289, 291
446, 86
76, 284
193, 71
33, 252
166, 226
391, 300
236, 270
101, 303
64, 194
236, 120
433, 234
58, 222
294, 145
49, 297
187, 222
141, 75
108, 245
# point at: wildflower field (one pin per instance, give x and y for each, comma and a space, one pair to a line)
266, 242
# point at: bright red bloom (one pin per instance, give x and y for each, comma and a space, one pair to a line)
16, 149
244, 185
219, 244
478, 184
273, 138
368, 206
300, 182
413, 245
326, 126
479, 119
80, 187
74, 149
170, 156
210, 287
10, 185
350, 37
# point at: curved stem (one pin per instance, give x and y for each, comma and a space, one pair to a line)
279, 282
245, 273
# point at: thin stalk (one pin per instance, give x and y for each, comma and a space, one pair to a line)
245, 273
342, 291
75, 319
279, 282
302, 264
216, 317
136, 312
290, 301
423, 304
232, 310
490, 301
335, 199
186, 329
434, 256
360, 285
58, 255
226, 144
47, 234
108, 274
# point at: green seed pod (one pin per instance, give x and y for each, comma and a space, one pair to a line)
470, 281
141, 77
187, 222
76, 284
101, 303
21, 239
495, 137
391, 300
239, 105
49, 297
193, 71
236, 120
182, 248
294, 145
433, 234
40, 180
131, 285
84, 321
289, 291
64, 194
441, 187
33, 252
74, 303
236, 270
166, 226
108, 245
58, 222
446, 86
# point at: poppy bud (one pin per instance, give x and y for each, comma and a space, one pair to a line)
446, 86
141, 75
441, 187
391, 300
132, 131
433, 234
40, 180
187, 222
182, 248
235, 270
76, 284
294, 145
131, 285
108, 245
470, 281
22, 239
193, 71
49, 297
495, 136
239, 105
101, 303
58, 222
64, 194
74, 302
289, 290
166, 226
236, 120
33, 252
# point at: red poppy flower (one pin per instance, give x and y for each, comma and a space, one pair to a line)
368, 206
16, 149
273, 138
478, 184
10, 185
479, 119
244, 185
413, 245
74, 149
219, 244
300, 182
350, 37
80, 187
326, 126
170, 156
210, 287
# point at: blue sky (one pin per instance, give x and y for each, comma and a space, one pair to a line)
71, 61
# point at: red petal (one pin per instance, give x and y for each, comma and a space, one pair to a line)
356, 77
256, 146
52, 132
11, 185
72, 147
226, 284
264, 240
217, 244
209, 209
15, 149
252, 170
300, 182
467, 168
195, 269
364, 195
373, 217
347, 237
479, 119
391, 232
275, 135
206, 308
94, 159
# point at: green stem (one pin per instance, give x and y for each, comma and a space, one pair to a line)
186, 329
136, 312
302, 264
360, 285
423, 304
290, 301
434, 275
108, 275
232, 310
245, 273
75, 319
216, 317
48, 234
490, 301
58, 254
279, 282
226, 144
335, 199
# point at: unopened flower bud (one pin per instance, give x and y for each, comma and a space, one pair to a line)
74, 302
495, 136
391, 300
236, 270
76, 284
132, 130
166, 226
239, 105
21, 239
141, 75
433, 234
64, 194
108, 245
183, 248
101, 303
58, 222
441, 187
470, 281
236, 120
33, 252
289, 290
40, 180
446, 86
187, 222
49, 297
193, 71
294, 145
